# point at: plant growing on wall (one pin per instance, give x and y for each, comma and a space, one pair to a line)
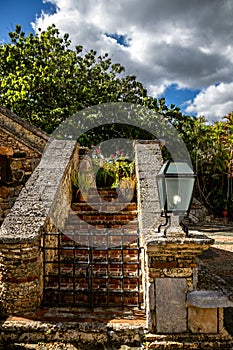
112, 169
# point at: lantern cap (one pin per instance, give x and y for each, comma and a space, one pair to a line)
176, 168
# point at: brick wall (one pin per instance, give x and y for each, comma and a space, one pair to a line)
21, 148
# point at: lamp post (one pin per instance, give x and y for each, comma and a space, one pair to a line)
175, 181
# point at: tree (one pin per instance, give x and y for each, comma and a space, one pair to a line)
45, 81
211, 150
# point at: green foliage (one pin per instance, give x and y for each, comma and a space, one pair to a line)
82, 180
211, 151
45, 81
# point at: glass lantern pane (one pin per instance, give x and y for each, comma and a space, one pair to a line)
179, 193
161, 192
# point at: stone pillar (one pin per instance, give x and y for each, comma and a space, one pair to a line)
169, 264
171, 272
21, 285
148, 161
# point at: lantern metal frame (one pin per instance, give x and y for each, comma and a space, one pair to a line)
167, 212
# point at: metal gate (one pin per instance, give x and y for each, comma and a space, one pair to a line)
92, 269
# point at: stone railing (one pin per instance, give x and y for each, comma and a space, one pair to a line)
42, 205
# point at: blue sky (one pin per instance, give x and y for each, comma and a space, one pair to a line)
181, 50
20, 12
179, 97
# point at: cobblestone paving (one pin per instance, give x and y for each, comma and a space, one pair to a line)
216, 265
40, 346
219, 258
60, 346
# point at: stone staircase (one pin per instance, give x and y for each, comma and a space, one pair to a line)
97, 259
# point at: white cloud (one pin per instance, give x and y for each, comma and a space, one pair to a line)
186, 43
213, 102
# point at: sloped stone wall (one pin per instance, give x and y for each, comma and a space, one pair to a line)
42, 205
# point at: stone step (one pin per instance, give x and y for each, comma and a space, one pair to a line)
93, 216
98, 274
106, 207
82, 285
172, 345
108, 195
80, 226
99, 261
96, 213
98, 328
102, 242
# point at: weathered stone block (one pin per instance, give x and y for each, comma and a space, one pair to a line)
202, 320
171, 305
209, 299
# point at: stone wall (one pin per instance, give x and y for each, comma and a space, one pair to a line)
21, 148
42, 205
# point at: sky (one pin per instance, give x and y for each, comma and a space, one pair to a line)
179, 49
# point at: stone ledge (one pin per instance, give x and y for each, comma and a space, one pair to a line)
153, 238
205, 299
100, 327
188, 341
176, 247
